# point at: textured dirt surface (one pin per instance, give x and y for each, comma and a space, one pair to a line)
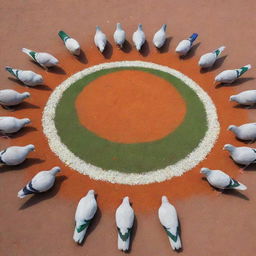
212, 225
130, 107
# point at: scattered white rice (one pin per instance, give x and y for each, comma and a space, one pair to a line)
114, 176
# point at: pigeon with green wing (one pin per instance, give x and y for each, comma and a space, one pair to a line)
71, 44
169, 220
221, 180
85, 212
124, 222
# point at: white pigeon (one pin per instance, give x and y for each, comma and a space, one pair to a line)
185, 45
138, 38
221, 180
44, 59
169, 220
41, 182
160, 37
100, 39
27, 77
241, 155
71, 44
85, 212
245, 98
229, 76
245, 131
119, 35
10, 97
9, 124
207, 60
124, 222
15, 155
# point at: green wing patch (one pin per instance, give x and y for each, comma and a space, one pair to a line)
233, 184
173, 237
126, 235
82, 227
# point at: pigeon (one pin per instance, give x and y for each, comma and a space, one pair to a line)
71, 44
160, 37
10, 97
221, 180
119, 35
9, 124
124, 222
242, 155
85, 212
207, 60
138, 38
41, 182
44, 59
100, 39
245, 131
15, 155
27, 77
185, 45
169, 220
245, 98
229, 76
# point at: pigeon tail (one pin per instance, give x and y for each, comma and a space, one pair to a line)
193, 37
164, 27
123, 239
219, 50
30, 53
80, 231
176, 245
27, 190
64, 36
236, 185
243, 69
12, 71
174, 239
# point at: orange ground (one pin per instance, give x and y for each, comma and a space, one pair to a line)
130, 107
43, 225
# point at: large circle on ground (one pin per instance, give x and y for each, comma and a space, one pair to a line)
130, 106
130, 163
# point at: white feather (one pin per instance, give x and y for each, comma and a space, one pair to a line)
9, 124
100, 39
139, 38
10, 97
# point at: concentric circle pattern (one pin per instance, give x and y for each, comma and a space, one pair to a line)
137, 163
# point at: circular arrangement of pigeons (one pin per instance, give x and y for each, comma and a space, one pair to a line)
87, 206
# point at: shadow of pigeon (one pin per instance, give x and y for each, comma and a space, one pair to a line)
16, 81
237, 82
57, 70
191, 52
236, 193
127, 47
42, 87
82, 57
244, 106
144, 51
23, 131
108, 51
25, 105
37, 198
166, 46
28, 162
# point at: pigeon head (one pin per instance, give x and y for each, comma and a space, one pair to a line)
140, 27
229, 147
30, 147
164, 199
98, 28
101, 47
205, 171
91, 192
203, 62
126, 199
232, 128
55, 170
164, 27
25, 95
219, 78
233, 98
26, 121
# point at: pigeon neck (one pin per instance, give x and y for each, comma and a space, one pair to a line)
25, 121
118, 26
